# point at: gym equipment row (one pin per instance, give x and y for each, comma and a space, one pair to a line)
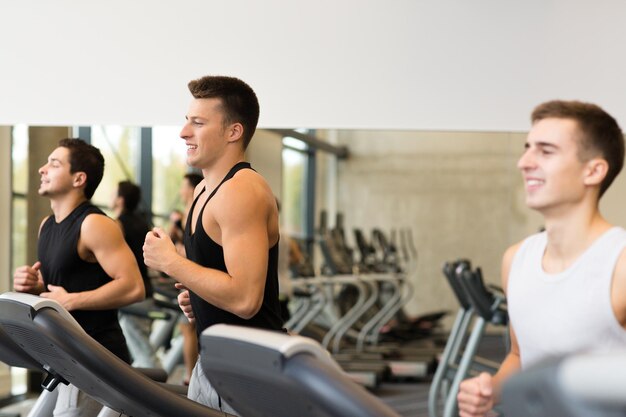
352, 301
479, 305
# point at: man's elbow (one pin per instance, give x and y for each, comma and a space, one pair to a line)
137, 294
141, 293
247, 309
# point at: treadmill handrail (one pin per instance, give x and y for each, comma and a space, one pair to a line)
452, 272
287, 346
231, 350
37, 303
61, 345
596, 378
488, 305
13, 355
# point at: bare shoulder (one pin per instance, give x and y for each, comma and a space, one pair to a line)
251, 178
97, 220
247, 191
507, 261
98, 227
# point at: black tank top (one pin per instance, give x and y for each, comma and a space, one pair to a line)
61, 265
136, 228
201, 249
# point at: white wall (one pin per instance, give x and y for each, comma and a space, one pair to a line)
265, 156
404, 64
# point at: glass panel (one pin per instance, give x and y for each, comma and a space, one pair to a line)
18, 381
19, 227
19, 173
294, 143
169, 155
19, 170
294, 191
19, 159
120, 147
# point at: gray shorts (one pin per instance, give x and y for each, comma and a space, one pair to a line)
71, 402
200, 390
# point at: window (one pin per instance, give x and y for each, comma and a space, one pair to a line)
120, 147
297, 205
169, 155
19, 168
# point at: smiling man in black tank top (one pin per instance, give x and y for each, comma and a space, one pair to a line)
84, 263
231, 236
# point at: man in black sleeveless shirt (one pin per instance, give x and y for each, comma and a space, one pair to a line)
135, 226
84, 263
231, 236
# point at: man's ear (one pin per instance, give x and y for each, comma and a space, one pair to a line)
595, 171
235, 132
80, 179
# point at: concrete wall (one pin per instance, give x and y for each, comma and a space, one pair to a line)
265, 155
460, 193
613, 203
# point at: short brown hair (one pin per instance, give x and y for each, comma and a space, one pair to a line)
239, 102
131, 193
85, 158
193, 178
600, 132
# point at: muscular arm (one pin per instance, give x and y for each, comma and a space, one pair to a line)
102, 241
241, 212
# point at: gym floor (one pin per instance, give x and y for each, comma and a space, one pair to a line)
410, 399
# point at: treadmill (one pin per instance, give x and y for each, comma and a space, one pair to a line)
283, 376
581, 385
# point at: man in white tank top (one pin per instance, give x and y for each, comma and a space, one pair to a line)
566, 286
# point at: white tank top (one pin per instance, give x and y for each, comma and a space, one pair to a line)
557, 314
